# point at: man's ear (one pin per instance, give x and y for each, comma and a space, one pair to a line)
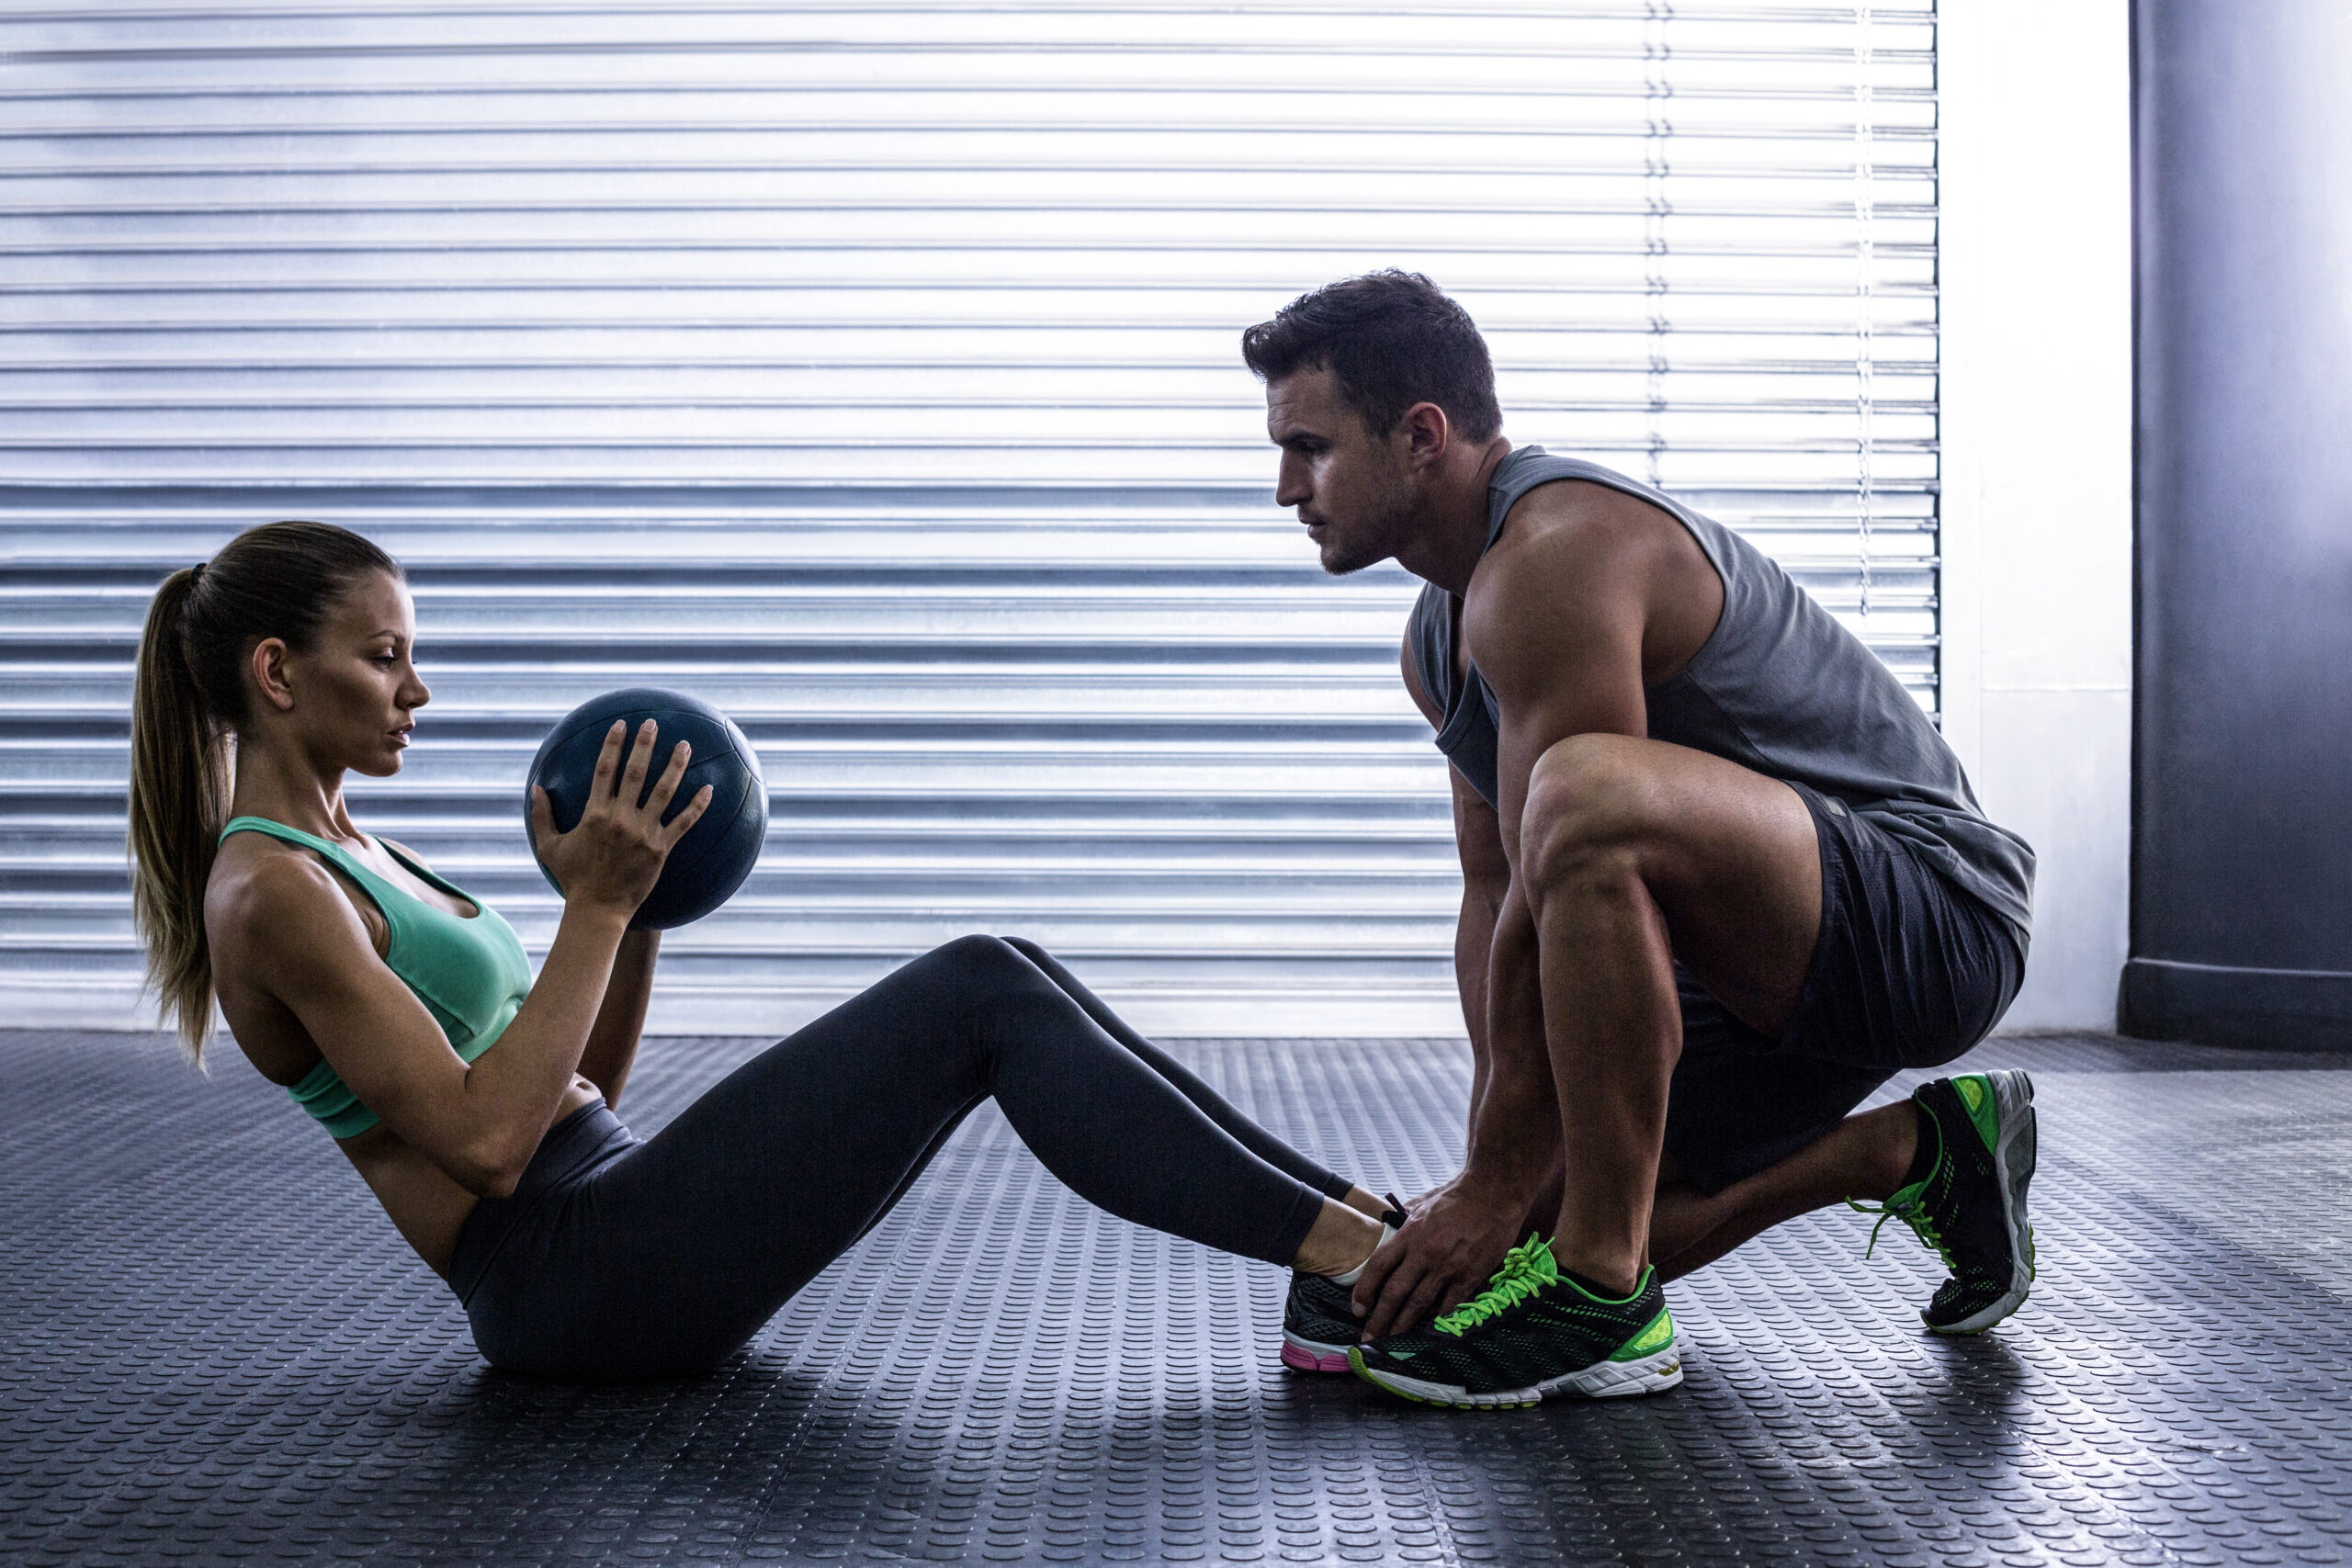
1428, 434
267, 668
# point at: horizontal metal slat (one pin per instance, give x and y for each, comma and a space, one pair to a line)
673, 285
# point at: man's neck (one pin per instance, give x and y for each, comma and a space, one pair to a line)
1451, 534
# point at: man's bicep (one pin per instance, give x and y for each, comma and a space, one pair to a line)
1559, 640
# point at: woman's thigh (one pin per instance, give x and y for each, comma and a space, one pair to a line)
673, 1252
673, 1255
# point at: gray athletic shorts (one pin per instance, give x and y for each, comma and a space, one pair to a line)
1909, 971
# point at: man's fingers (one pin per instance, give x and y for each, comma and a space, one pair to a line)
1412, 1281
1377, 1269
1379, 1308
1423, 1304
1461, 1291
1401, 1312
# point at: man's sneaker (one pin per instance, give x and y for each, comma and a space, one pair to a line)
1318, 1321
1532, 1334
1971, 1207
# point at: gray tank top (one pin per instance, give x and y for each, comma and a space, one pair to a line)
1781, 688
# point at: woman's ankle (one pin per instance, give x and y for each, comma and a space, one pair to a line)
1343, 1238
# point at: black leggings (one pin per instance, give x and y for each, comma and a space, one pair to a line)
617, 1260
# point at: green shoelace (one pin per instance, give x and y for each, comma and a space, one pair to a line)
1911, 1213
1526, 1269
1906, 1204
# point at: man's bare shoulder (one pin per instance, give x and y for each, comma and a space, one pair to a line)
1573, 527
1585, 569
1572, 558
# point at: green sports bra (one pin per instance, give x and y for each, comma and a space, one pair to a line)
471, 974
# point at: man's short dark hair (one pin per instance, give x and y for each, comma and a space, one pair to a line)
1391, 339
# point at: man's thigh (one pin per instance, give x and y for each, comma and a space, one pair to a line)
1908, 971
1741, 1104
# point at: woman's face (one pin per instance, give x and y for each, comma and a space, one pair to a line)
355, 692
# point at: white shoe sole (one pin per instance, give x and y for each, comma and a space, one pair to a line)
2013, 1161
1653, 1373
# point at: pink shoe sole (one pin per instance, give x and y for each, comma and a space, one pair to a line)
1304, 1360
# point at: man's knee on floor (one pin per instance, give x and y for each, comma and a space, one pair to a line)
1592, 809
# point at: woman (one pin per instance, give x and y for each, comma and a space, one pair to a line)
477, 1104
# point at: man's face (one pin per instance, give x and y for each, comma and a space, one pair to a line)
1355, 491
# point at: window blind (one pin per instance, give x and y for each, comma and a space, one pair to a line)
872, 372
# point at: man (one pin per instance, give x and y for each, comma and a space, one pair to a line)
1721, 879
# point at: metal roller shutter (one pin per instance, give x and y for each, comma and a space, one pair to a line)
872, 372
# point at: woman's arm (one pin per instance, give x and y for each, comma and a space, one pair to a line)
291, 926
612, 1040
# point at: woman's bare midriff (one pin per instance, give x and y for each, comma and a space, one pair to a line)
427, 1206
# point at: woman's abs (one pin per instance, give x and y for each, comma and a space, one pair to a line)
424, 1204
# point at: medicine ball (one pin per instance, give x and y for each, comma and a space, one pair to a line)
709, 864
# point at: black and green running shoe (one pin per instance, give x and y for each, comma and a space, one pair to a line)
1320, 1322
1532, 1334
1971, 1207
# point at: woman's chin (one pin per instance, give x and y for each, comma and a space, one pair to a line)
383, 765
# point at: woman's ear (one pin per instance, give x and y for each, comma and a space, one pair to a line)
267, 668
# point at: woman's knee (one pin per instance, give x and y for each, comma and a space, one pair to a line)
979, 967
978, 956
1027, 949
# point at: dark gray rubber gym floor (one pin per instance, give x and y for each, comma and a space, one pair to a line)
212, 1347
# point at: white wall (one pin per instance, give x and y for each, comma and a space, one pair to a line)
2036, 292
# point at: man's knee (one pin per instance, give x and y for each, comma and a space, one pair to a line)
1592, 809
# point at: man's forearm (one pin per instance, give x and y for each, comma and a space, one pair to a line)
1514, 1139
1474, 942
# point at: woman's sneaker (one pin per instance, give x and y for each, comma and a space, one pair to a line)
1320, 1322
1533, 1333
1971, 1208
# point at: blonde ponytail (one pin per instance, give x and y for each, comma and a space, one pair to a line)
179, 794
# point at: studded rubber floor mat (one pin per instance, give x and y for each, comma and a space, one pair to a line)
214, 1349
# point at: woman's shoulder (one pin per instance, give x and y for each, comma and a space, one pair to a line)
269, 896
277, 926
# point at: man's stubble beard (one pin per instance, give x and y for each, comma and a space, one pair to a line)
1377, 542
